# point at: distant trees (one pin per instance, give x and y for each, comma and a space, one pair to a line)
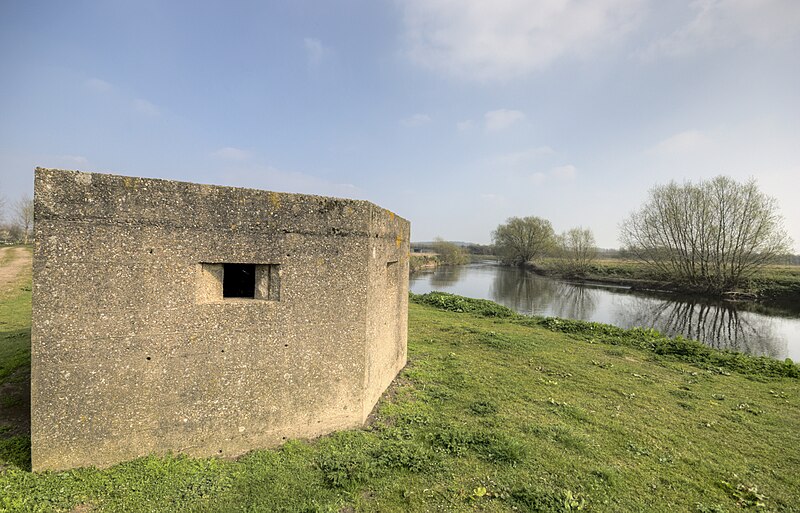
521, 240
712, 234
23, 216
576, 250
16, 225
449, 253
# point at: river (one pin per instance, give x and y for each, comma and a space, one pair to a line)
748, 328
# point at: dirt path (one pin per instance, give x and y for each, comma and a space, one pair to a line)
13, 262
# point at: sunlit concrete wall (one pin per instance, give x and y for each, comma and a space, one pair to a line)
136, 351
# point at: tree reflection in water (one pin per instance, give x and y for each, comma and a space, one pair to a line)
527, 293
445, 276
718, 325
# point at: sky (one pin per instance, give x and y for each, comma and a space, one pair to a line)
455, 114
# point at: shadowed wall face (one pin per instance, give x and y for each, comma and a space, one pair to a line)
171, 316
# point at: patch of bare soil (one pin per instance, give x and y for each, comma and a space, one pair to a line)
17, 260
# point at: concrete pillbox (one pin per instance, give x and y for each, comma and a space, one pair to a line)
206, 320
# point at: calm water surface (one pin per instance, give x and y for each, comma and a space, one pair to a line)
747, 328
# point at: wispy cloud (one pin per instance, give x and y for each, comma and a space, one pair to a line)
505, 39
522, 158
726, 23
416, 120
538, 178
316, 52
145, 108
465, 126
564, 173
680, 143
123, 99
501, 119
231, 153
97, 85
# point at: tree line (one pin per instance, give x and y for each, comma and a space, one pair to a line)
711, 235
16, 220
521, 240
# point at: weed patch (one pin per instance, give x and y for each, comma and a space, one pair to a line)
461, 304
488, 445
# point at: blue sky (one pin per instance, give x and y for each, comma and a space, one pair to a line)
456, 114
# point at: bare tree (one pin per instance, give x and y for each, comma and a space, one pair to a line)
23, 216
576, 250
712, 235
521, 240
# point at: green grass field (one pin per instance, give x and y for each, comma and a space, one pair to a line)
494, 412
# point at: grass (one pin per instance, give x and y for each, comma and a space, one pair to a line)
495, 412
15, 325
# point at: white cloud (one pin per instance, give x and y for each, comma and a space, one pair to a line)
563, 173
726, 23
97, 85
231, 153
680, 143
416, 120
124, 99
538, 178
146, 108
521, 158
503, 39
501, 119
316, 52
566, 172
465, 126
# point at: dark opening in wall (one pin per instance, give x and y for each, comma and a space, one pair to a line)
218, 282
239, 280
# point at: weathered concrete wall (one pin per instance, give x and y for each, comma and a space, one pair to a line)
135, 351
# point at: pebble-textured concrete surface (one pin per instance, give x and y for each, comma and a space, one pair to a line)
136, 351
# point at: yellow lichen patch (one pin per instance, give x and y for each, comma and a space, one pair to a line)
128, 181
391, 215
275, 200
398, 241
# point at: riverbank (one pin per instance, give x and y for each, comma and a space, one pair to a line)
419, 261
428, 261
494, 412
774, 284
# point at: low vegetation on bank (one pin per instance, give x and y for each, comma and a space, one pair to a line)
494, 412
442, 253
770, 283
419, 261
